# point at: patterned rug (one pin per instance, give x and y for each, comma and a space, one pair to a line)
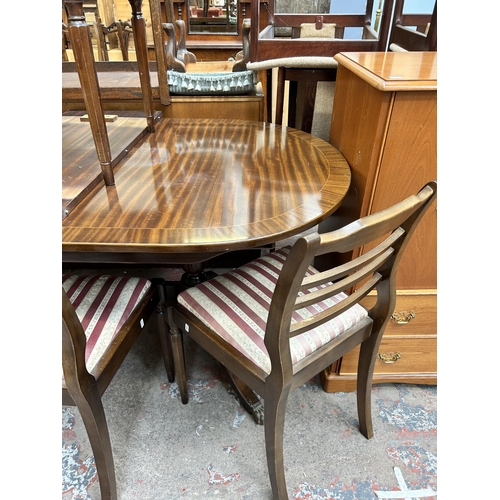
211, 448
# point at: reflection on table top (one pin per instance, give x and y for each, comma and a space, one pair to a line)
81, 170
210, 186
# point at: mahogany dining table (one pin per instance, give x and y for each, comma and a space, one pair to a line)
194, 189
198, 188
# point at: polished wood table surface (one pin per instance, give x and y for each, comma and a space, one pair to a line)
81, 169
198, 188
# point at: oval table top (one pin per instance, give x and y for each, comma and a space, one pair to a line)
201, 187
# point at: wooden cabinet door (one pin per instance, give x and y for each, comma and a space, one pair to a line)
409, 161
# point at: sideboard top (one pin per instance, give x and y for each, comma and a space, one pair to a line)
393, 71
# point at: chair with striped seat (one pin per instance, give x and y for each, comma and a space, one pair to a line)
102, 316
277, 322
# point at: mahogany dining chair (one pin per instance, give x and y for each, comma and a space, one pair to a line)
277, 322
102, 316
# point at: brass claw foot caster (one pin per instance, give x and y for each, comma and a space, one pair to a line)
248, 399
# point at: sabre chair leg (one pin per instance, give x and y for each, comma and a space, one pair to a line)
178, 352
166, 345
94, 419
366, 365
274, 426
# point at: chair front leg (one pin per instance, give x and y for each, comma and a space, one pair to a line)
94, 419
366, 367
274, 426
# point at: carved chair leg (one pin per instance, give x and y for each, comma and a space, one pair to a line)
274, 426
94, 419
166, 345
366, 366
179, 361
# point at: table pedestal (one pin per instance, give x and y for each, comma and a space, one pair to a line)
195, 274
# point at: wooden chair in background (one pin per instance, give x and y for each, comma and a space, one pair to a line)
113, 143
65, 42
276, 322
404, 37
117, 30
310, 77
302, 47
102, 316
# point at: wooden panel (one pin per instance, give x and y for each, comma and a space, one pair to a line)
332, 382
106, 11
409, 161
418, 355
359, 120
244, 107
189, 107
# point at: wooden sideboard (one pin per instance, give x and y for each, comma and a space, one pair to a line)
384, 123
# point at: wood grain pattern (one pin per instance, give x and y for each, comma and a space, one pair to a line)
418, 356
80, 37
411, 150
81, 170
386, 129
210, 186
393, 71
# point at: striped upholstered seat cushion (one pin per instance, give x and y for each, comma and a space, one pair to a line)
103, 304
236, 305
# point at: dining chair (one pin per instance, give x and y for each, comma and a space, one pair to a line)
309, 75
102, 316
121, 30
412, 31
307, 71
302, 47
277, 322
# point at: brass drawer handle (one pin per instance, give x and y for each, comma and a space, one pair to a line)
403, 317
389, 357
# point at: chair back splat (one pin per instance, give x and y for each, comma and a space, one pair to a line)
403, 37
277, 322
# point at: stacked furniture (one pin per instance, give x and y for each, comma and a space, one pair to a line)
302, 46
94, 143
121, 88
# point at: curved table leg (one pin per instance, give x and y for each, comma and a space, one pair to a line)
248, 398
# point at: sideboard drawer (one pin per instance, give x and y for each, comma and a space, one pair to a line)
408, 355
415, 313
